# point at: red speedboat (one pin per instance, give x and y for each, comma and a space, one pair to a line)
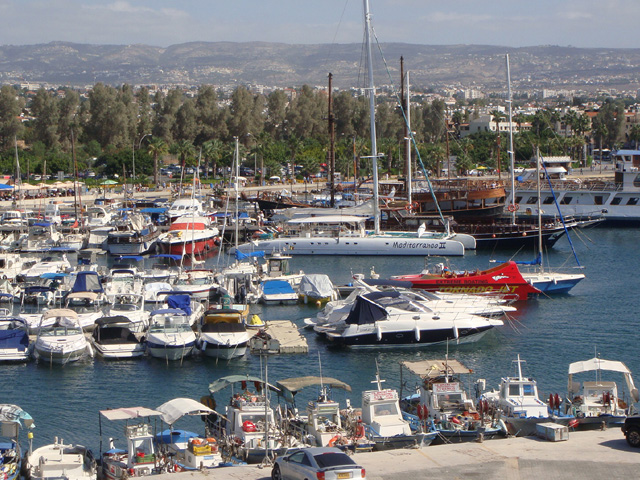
504, 280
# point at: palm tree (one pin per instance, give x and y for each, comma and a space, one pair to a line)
184, 149
156, 148
212, 151
634, 134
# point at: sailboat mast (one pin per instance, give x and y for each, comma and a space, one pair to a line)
407, 110
372, 118
332, 140
539, 210
511, 152
237, 155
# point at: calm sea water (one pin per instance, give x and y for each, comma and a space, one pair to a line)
601, 314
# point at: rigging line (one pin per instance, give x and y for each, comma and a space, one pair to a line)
555, 201
406, 121
335, 34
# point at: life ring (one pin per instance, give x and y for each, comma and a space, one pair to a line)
514, 207
413, 206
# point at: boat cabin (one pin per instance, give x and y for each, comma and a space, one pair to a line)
519, 398
381, 412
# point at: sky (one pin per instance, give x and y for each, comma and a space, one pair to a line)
511, 23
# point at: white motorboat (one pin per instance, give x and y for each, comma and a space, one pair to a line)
63, 341
114, 338
123, 281
598, 402
389, 319
139, 458
72, 242
134, 234
185, 206
199, 283
519, 405
42, 237
98, 217
57, 460
131, 306
13, 264
87, 306
156, 292
277, 292
52, 263
14, 338
317, 289
170, 335
223, 332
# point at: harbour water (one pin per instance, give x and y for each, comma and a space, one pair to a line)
600, 315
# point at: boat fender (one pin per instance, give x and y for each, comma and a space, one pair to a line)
557, 401
573, 423
89, 350
203, 347
379, 332
417, 332
551, 401
455, 332
456, 420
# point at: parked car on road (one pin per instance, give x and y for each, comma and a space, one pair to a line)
631, 430
327, 463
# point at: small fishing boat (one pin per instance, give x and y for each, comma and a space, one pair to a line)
139, 458
598, 402
384, 423
248, 419
187, 450
442, 402
114, 338
57, 460
12, 419
170, 335
520, 407
316, 289
190, 235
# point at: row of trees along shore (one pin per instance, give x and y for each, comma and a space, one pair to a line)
103, 127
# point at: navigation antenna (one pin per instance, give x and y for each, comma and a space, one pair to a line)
378, 381
519, 362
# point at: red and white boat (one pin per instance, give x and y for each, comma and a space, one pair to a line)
190, 235
504, 280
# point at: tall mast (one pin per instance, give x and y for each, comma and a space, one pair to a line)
332, 140
407, 109
372, 118
539, 210
237, 155
511, 152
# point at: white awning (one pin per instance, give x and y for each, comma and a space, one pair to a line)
177, 408
129, 413
597, 364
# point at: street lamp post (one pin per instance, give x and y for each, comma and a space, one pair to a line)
133, 177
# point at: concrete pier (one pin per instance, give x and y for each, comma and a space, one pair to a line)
592, 455
286, 339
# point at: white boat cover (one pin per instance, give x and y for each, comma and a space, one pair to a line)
129, 413
60, 312
177, 408
316, 285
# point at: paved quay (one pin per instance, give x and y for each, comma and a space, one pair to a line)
591, 455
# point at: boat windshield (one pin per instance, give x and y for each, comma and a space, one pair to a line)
55, 331
527, 390
384, 409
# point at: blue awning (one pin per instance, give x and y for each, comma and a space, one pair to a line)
50, 275
133, 258
242, 256
153, 210
4, 186
42, 224
167, 255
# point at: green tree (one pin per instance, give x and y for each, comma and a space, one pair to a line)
156, 148
44, 108
10, 106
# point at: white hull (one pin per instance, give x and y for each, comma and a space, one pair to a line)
170, 346
130, 248
61, 353
368, 245
224, 345
279, 299
14, 355
118, 351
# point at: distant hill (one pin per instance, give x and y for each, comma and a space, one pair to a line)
282, 65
